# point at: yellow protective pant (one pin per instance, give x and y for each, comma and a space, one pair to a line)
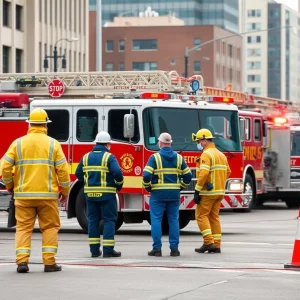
49, 222
207, 217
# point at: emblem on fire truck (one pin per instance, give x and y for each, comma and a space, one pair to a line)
127, 162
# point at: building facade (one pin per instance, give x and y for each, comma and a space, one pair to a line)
272, 49
30, 29
222, 13
163, 48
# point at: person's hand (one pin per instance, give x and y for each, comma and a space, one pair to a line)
197, 197
63, 199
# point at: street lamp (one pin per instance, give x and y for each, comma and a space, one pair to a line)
188, 51
55, 55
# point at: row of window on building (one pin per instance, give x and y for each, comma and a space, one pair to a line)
6, 57
6, 15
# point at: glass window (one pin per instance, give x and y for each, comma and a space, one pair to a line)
59, 127
109, 46
109, 67
116, 129
158, 120
197, 66
254, 78
5, 59
253, 39
254, 65
257, 130
121, 45
197, 42
253, 26
86, 125
144, 45
230, 50
6, 13
19, 17
121, 66
254, 91
144, 66
19, 56
248, 129
254, 13
254, 52
295, 143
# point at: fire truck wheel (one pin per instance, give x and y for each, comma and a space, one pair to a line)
250, 190
81, 214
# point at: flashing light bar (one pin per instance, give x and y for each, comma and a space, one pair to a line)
280, 121
220, 99
162, 96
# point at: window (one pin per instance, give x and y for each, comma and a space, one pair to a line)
230, 50
6, 13
121, 66
254, 78
116, 129
254, 91
254, 39
254, 65
86, 125
230, 74
5, 59
197, 42
197, 66
121, 45
254, 52
144, 66
247, 129
257, 130
254, 13
253, 26
144, 45
59, 127
19, 60
109, 67
109, 46
19, 17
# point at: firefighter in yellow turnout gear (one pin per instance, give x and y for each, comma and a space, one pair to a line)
40, 168
212, 173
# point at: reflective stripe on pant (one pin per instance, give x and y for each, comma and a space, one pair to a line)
98, 210
157, 209
207, 217
49, 223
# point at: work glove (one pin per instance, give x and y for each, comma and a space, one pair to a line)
197, 197
119, 188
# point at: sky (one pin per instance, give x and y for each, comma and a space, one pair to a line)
291, 3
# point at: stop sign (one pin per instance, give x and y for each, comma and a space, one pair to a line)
56, 88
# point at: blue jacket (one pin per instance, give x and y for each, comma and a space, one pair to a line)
100, 173
165, 174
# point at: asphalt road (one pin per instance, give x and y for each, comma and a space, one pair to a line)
255, 248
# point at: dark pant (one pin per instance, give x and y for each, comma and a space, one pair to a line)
157, 209
102, 210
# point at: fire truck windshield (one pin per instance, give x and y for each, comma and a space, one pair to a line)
181, 123
295, 143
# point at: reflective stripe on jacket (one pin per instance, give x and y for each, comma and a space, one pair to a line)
213, 168
40, 166
166, 171
101, 174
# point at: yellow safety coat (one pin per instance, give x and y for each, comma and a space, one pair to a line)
212, 167
39, 166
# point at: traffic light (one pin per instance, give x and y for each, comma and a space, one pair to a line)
46, 64
64, 63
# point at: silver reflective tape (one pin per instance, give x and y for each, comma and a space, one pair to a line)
22, 251
60, 162
65, 184
36, 195
34, 162
7, 158
49, 249
50, 169
21, 168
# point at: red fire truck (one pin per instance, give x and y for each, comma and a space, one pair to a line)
134, 107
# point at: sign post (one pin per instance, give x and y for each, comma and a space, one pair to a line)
56, 88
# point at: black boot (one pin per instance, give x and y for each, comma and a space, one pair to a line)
22, 268
112, 254
52, 268
216, 250
155, 252
210, 248
175, 252
97, 254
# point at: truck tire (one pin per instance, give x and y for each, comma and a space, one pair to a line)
248, 189
81, 214
184, 220
292, 203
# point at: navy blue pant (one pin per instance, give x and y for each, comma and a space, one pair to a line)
157, 208
102, 210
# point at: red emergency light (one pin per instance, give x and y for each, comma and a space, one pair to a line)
13, 100
220, 99
280, 121
162, 96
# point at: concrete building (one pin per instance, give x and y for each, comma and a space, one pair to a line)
163, 48
222, 13
271, 49
30, 29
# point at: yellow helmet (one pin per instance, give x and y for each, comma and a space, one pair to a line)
202, 134
38, 116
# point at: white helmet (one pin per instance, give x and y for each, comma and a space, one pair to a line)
102, 137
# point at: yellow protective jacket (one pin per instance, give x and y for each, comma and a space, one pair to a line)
39, 166
213, 168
